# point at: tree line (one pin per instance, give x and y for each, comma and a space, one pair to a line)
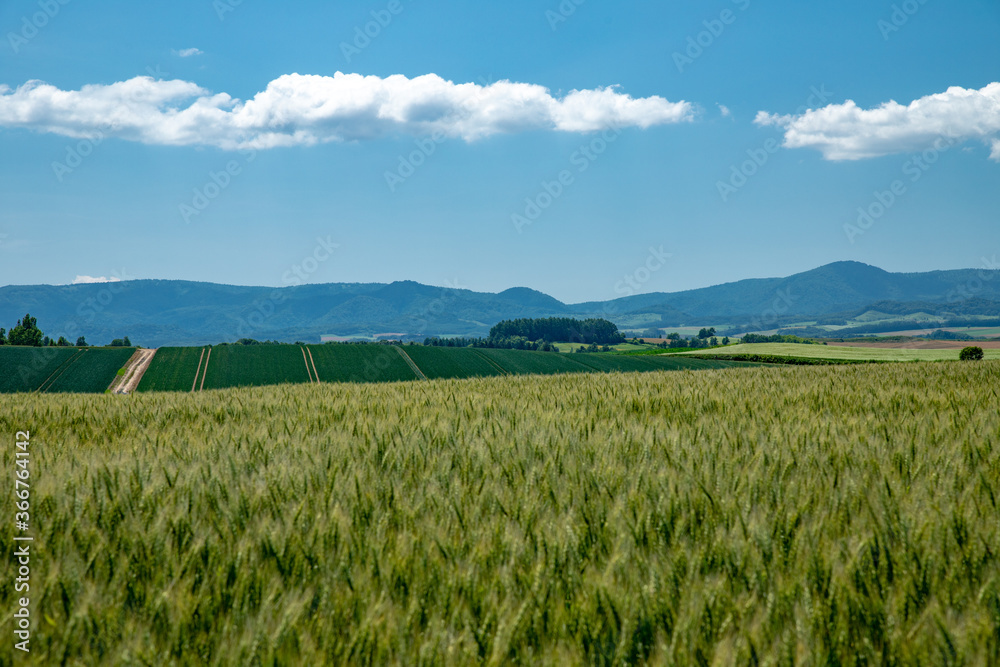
27, 334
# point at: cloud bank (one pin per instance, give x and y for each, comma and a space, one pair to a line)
297, 110
187, 53
847, 132
91, 280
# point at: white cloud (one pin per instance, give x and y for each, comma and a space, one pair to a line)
298, 109
847, 132
724, 110
187, 53
90, 280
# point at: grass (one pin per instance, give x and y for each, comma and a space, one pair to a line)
91, 372
441, 362
823, 515
646, 363
172, 369
24, 369
255, 366
360, 363
841, 352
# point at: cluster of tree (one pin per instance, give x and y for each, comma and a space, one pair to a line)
971, 354
565, 329
706, 338
508, 343
776, 338
27, 333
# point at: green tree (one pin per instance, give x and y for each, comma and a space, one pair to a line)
706, 333
81, 342
62, 342
971, 354
725, 341
128, 343
3, 336
26, 333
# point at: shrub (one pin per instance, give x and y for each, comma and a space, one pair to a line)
971, 354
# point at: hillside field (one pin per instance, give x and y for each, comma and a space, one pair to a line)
838, 352
173, 369
817, 515
60, 369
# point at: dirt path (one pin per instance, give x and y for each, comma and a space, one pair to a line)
134, 370
406, 358
204, 372
311, 361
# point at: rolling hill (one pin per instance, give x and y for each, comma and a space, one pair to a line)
170, 312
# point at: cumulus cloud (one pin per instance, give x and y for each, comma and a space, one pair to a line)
91, 280
848, 132
725, 111
187, 53
297, 110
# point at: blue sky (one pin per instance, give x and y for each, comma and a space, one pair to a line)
297, 186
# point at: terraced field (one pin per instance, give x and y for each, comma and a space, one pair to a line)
359, 363
26, 368
255, 366
442, 362
90, 372
172, 369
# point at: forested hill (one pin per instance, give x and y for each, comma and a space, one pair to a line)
166, 312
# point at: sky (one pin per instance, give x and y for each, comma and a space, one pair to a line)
586, 149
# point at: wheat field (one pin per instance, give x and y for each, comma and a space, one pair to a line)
838, 515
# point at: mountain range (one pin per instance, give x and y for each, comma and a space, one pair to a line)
154, 313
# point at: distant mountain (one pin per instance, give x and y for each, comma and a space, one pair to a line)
172, 312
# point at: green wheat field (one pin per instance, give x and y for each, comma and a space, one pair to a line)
838, 515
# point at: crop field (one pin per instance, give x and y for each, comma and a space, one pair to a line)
810, 515
26, 368
646, 363
254, 366
441, 362
91, 372
360, 363
841, 352
172, 369
529, 362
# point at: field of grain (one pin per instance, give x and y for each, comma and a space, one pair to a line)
841, 352
526, 362
821, 515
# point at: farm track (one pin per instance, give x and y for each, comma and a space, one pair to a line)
134, 371
406, 358
194, 385
204, 373
503, 371
57, 373
313, 362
